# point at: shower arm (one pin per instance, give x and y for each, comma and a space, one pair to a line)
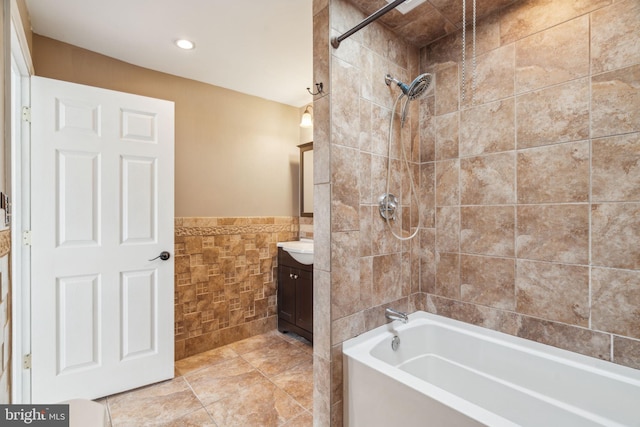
335, 42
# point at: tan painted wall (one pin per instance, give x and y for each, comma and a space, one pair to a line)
236, 155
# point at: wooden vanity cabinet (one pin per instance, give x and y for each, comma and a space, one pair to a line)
295, 296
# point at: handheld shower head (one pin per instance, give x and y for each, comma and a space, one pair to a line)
418, 87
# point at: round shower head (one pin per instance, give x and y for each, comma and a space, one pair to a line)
418, 86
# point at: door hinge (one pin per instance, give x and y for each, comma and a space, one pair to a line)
26, 237
26, 361
26, 114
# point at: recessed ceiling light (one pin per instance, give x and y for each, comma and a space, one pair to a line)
185, 44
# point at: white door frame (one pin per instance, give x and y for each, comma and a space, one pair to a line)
18, 164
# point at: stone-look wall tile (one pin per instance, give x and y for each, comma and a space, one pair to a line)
446, 90
225, 284
488, 281
322, 226
447, 177
345, 274
616, 168
427, 128
426, 190
488, 230
566, 167
365, 125
497, 130
347, 327
364, 181
486, 317
321, 145
553, 56
614, 36
615, 230
366, 218
383, 241
321, 391
626, 352
615, 301
321, 48
552, 115
321, 313
448, 229
375, 316
345, 107
380, 130
447, 275
558, 233
572, 338
427, 238
521, 19
336, 373
447, 136
343, 17
395, 49
387, 279
345, 189
494, 77
379, 165
488, 180
366, 281
615, 102
556, 292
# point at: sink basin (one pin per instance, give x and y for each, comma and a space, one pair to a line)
300, 250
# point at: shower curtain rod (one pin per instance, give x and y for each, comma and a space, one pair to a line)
335, 42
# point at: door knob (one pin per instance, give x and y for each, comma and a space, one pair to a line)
164, 255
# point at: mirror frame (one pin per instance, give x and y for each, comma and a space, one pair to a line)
303, 149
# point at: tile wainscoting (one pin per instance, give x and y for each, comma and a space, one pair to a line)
225, 286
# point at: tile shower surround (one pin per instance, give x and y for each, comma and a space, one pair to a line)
225, 287
528, 188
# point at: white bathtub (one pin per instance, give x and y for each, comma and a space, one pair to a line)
450, 373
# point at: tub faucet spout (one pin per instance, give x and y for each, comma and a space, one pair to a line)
392, 314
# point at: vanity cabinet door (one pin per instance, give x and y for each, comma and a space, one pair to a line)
304, 300
287, 293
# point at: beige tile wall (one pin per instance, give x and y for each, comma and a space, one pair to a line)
537, 212
529, 185
225, 287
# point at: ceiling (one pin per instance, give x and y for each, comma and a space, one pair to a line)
258, 47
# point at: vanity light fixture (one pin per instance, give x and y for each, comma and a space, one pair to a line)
185, 44
307, 118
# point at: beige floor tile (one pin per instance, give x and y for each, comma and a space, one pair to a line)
298, 383
303, 420
203, 360
153, 405
222, 380
199, 418
261, 405
257, 342
263, 381
300, 342
276, 358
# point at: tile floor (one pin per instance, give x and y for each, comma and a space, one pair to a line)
263, 381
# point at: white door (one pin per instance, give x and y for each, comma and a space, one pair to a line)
102, 209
